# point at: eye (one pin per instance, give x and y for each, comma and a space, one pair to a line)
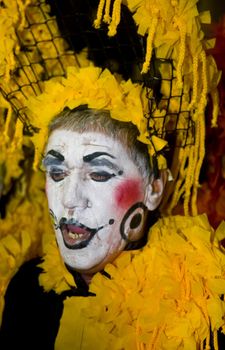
57, 175
101, 176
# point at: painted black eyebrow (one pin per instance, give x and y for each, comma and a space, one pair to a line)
56, 154
56, 159
90, 157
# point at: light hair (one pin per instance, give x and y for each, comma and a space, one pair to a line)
83, 119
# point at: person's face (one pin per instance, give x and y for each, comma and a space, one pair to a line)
96, 197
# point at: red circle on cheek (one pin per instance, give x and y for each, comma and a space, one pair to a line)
128, 192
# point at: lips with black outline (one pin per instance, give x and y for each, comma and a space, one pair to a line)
71, 228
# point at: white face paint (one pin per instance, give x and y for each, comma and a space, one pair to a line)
96, 197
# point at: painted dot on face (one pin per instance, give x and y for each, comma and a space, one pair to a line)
128, 193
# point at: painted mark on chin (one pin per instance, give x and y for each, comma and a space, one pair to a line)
128, 192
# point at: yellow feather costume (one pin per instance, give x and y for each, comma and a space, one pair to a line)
169, 294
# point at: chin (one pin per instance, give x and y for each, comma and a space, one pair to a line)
93, 267
89, 261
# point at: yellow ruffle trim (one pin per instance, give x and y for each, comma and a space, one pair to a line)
98, 89
166, 296
55, 275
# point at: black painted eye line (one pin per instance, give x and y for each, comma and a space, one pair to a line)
57, 172
54, 179
103, 174
55, 169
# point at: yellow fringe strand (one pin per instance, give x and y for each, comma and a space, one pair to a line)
183, 155
18, 136
195, 82
195, 179
8, 121
181, 55
116, 13
195, 182
200, 128
202, 345
189, 180
215, 340
98, 19
107, 17
148, 56
115, 17
207, 345
203, 99
215, 112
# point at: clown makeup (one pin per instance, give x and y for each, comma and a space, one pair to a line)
96, 197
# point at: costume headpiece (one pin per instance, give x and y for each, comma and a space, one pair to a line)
175, 75
97, 89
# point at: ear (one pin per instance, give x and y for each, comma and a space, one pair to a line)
154, 191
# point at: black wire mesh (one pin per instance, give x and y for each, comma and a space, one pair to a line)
57, 33
172, 118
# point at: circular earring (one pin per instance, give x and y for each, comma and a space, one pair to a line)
132, 222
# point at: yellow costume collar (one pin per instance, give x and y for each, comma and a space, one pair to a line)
166, 296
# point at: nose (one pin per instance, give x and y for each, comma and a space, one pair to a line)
74, 194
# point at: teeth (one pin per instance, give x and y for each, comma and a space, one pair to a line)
71, 235
74, 235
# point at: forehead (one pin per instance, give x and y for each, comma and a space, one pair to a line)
70, 143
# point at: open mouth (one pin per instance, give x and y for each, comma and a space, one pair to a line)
76, 235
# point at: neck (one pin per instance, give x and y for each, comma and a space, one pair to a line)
87, 277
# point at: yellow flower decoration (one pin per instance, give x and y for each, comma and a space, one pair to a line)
96, 88
167, 296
